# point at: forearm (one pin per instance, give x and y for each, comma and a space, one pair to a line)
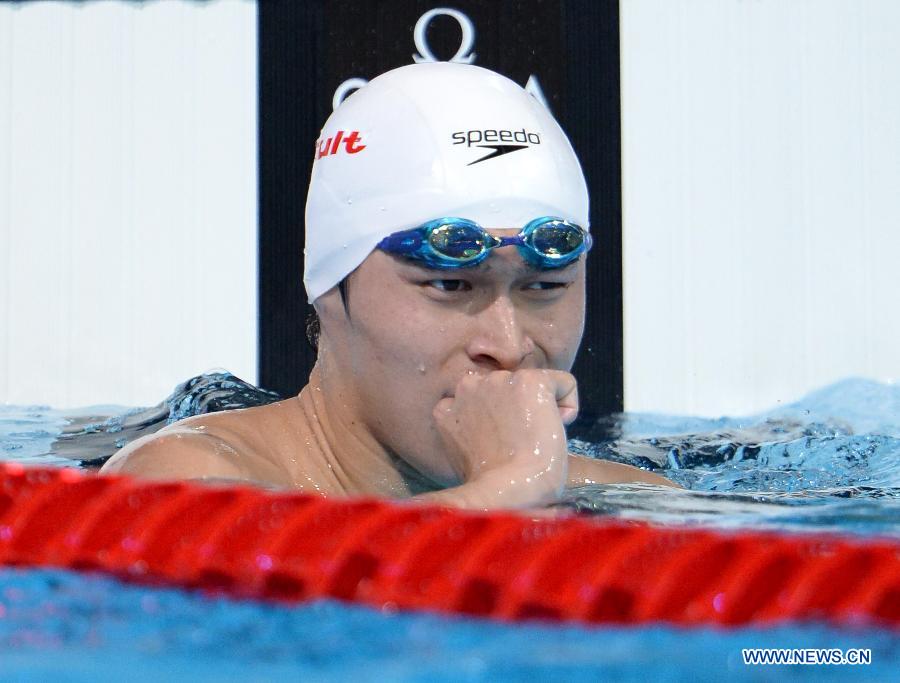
502, 488
509, 488
591, 471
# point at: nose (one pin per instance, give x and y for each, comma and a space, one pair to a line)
499, 340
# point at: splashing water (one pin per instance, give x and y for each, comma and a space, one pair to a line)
829, 461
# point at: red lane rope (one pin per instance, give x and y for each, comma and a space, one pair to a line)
252, 543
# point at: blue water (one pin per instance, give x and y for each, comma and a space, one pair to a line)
830, 461
60, 626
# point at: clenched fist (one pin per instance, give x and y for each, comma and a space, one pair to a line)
506, 432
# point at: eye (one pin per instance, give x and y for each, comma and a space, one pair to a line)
450, 285
544, 286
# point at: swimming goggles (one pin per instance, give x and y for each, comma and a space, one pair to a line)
443, 243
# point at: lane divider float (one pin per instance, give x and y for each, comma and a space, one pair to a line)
251, 543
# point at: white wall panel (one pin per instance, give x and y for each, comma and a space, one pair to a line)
5, 187
761, 169
127, 198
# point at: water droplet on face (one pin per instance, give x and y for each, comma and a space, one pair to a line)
422, 368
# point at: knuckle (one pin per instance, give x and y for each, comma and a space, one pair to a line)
470, 380
442, 409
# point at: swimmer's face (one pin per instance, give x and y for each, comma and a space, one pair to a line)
412, 333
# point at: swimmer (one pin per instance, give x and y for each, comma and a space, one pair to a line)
446, 235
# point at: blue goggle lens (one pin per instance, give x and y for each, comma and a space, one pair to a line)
456, 241
556, 239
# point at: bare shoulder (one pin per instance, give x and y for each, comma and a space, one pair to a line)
590, 471
176, 454
226, 445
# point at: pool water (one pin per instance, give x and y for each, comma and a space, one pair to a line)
830, 461
63, 626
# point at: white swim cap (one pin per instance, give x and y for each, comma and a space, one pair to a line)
428, 141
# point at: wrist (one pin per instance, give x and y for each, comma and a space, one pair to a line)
503, 487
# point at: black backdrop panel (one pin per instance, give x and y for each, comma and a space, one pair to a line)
570, 48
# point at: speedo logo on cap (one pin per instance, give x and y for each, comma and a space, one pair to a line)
332, 145
500, 141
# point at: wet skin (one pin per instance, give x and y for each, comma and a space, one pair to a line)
452, 386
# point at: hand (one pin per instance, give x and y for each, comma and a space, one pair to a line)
506, 432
